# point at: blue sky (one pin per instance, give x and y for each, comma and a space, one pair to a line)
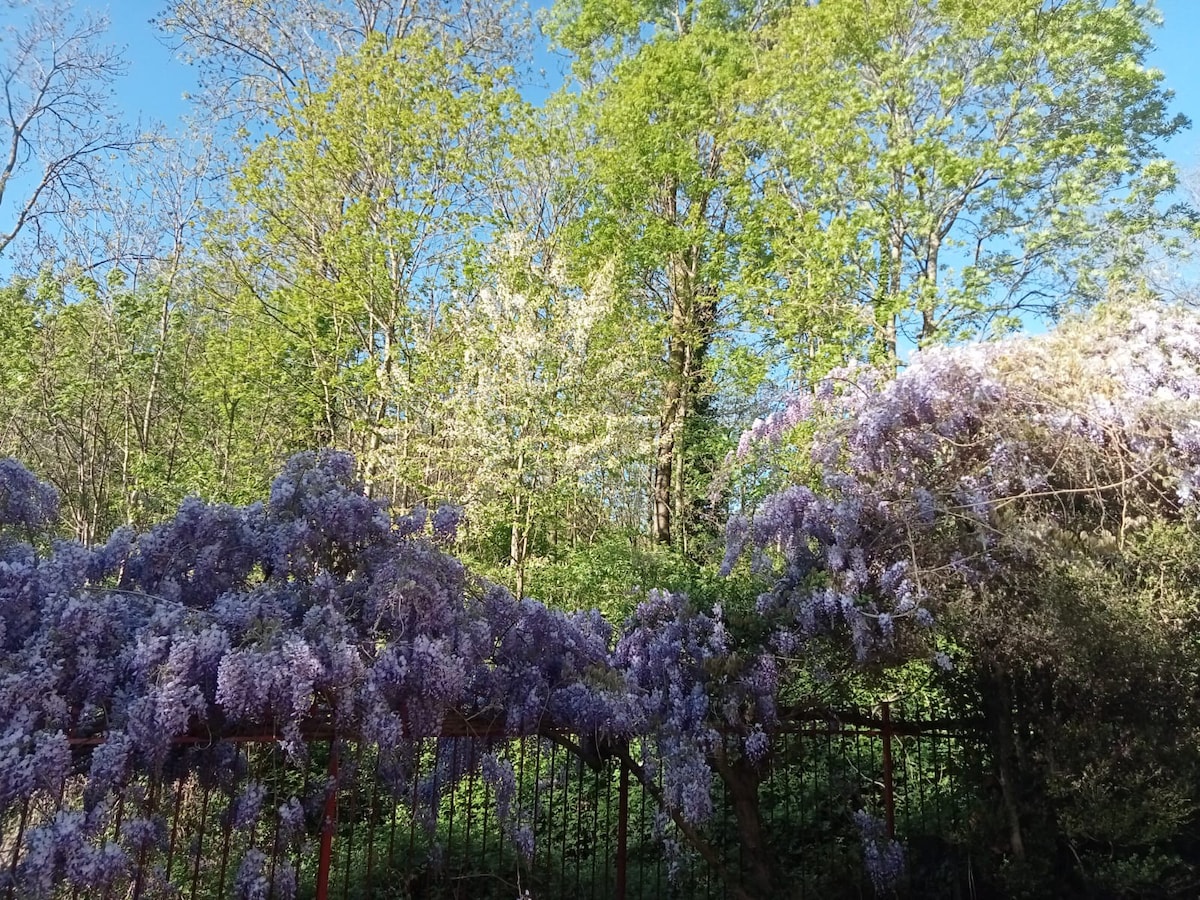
157, 81
1177, 54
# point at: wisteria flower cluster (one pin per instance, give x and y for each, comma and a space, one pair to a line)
883, 856
925, 485
970, 459
319, 606
322, 605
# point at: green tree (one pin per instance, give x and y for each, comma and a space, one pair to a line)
548, 410
930, 170
88, 399
256, 60
660, 86
349, 225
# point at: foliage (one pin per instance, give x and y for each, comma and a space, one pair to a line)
935, 170
554, 317
1033, 499
659, 87
316, 604
349, 225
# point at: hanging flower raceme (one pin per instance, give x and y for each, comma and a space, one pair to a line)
933, 480
318, 608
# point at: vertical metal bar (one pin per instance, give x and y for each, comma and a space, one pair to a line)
938, 764
609, 852
889, 787
520, 791
226, 837
487, 805
595, 836
412, 805
174, 826
473, 758
298, 844
658, 857
580, 808
393, 802
451, 788
373, 805
622, 833
922, 800
797, 757
276, 844
200, 842
149, 809
352, 784
550, 815
535, 800
572, 815
728, 814
325, 857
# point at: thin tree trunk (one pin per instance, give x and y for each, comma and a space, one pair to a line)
742, 781
933, 248
997, 710
518, 540
670, 424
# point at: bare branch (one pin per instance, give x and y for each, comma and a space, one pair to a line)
57, 127
254, 58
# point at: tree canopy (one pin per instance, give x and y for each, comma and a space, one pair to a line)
392, 277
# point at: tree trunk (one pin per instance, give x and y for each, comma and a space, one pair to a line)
757, 872
518, 545
670, 423
693, 318
933, 246
997, 711
891, 337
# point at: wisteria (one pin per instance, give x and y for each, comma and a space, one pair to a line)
883, 857
321, 606
930, 481
925, 486
25, 502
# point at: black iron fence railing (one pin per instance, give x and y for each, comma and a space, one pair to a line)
237, 817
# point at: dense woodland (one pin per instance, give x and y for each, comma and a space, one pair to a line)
700, 323
562, 315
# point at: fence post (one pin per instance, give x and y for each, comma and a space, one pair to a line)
328, 826
889, 787
622, 832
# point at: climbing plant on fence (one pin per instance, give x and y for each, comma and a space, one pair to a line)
1031, 501
237, 816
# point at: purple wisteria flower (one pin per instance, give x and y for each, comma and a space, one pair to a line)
883, 857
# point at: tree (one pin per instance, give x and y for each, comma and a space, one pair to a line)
56, 128
257, 60
112, 338
97, 395
1045, 523
661, 82
547, 410
352, 222
932, 170
1033, 501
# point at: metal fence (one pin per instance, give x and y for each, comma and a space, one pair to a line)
237, 811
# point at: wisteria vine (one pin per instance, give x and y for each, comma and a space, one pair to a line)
318, 606
321, 605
